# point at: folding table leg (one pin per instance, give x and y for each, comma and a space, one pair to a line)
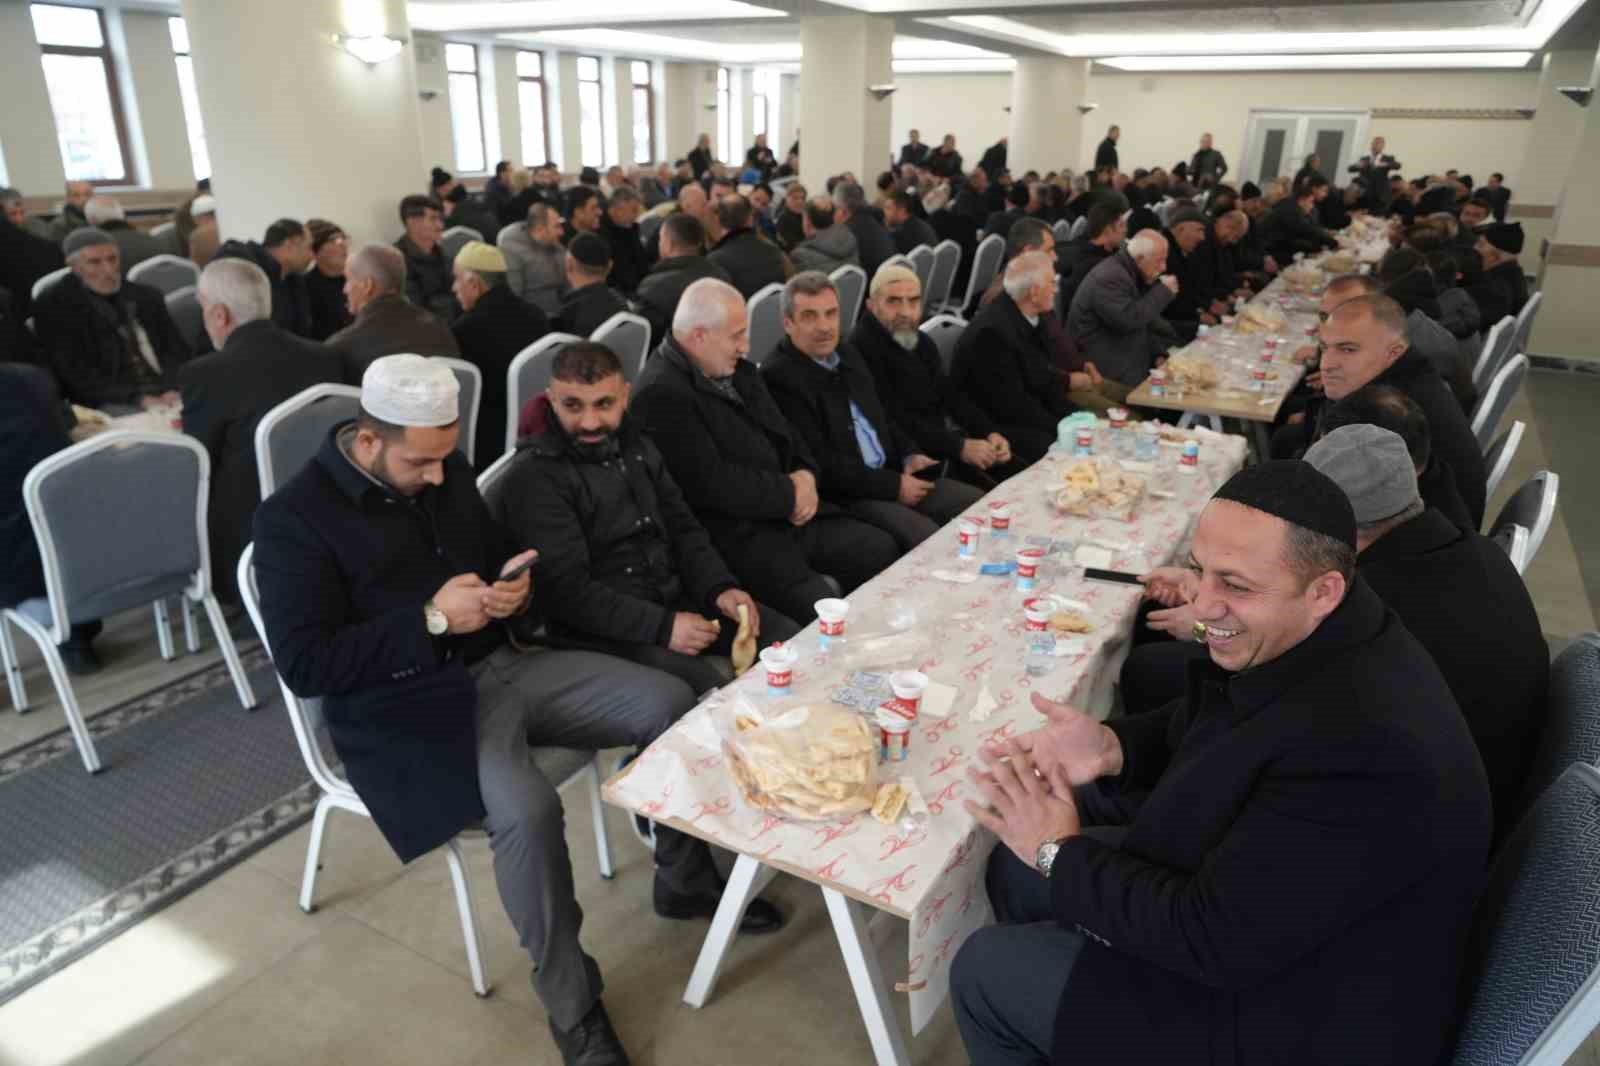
748, 878
872, 994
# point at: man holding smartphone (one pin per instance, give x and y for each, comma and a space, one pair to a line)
384, 585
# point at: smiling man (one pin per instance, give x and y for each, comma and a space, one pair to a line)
1280, 867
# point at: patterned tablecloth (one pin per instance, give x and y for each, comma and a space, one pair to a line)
968, 636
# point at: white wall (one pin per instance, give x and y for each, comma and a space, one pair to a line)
153, 75
27, 128
438, 146
971, 106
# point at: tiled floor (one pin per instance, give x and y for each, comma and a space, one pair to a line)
235, 973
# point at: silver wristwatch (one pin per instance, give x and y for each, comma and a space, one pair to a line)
1045, 857
438, 624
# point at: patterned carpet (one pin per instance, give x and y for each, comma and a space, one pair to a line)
192, 784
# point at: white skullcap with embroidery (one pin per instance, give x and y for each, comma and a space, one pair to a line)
410, 390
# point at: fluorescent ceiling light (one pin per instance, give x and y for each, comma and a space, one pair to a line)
951, 56
488, 16
1325, 61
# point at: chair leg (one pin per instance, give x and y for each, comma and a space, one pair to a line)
191, 636
597, 811
469, 916
69, 700
219, 625
8, 652
308, 880
164, 629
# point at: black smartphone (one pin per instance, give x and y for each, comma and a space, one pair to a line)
931, 473
1119, 577
521, 569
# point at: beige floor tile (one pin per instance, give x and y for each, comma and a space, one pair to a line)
120, 1001
356, 861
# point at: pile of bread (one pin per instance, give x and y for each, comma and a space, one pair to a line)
1099, 489
1192, 372
813, 762
1259, 318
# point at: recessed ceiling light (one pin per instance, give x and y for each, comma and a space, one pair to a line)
486, 16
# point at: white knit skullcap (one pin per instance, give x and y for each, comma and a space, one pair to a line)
204, 204
410, 390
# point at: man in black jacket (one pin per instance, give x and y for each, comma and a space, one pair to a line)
994, 159
945, 161
909, 231
750, 261
427, 270
683, 262
1250, 891
1207, 163
111, 342
494, 327
1193, 264
1288, 227
25, 257
624, 566
619, 225
1499, 245
257, 365
873, 243
283, 256
387, 323
748, 476
867, 464
1115, 317
1106, 154
1075, 258
1000, 221
588, 302
913, 153
383, 593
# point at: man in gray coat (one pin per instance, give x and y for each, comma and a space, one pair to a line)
829, 244
536, 264
1115, 318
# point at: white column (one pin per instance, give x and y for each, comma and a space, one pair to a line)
338, 139
1568, 321
623, 76
153, 74
1557, 127
788, 115
27, 125
571, 128
689, 89
433, 108
508, 104
1046, 125
842, 125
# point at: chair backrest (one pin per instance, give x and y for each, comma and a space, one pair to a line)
1572, 721
897, 259
164, 229
628, 336
985, 265
1062, 231
851, 281
921, 260
304, 715
1493, 404
1497, 460
456, 238
946, 261
1080, 226
183, 307
765, 310
1513, 540
1534, 960
168, 273
528, 375
48, 280
470, 398
120, 520
290, 434
1533, 506
946, 332
1495, 342
492, 473
1524, 330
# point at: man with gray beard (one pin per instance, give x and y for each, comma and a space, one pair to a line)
915, 388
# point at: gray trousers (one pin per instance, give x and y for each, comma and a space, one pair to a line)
571, 699
911, 526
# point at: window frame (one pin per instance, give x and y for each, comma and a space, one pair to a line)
476, 73
108, 66
725, 146
649, 88
544, 103
177, 56
598, 81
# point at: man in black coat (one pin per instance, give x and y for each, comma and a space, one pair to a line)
913, 153
866, 463
461, 208
1499, 245
494, 327
624, 566
1077, 257
383, 593
427, 270
747, 475
24, 259
257, 365
1106, 154
944, 161
683, 262
1227, 876
874, 243
1498, 194
1194, 264
386, 323
1000, 221
283, 255
1207, 163
1288, 227
588, 302
751, 261
619, 225
909, 231
994, 159
111, 342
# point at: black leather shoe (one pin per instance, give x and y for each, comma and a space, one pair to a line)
759, 917
592, 1042
79, 659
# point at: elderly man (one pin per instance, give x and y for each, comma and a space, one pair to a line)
746, 473
1115, 316
73, 215
909, 231
829, 243
427, 270
750, 261
589, 302
536, 263
387, 323
111, 342
1207, 163
915, 389
1388, 408
134, 245
257, 365
493, 329
1375, 168
874, 244
619, 225
283, 255
867, 464
1191, 263
397, 624
1003, 361
1499, 245
1222, 873
683, 262
692, 200
624, 566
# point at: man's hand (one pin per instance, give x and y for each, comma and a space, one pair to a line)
1295, 419
1171, 282
1177, 622
170, 398
918, 461
691, 634
1304, 354
913, 490
728, 603
978, 453
1079, 381
506, 598
1094, 374
1207, 318
1270, 265
461, 599
1022, 808
1168, 585
1071, 743
805, 497
1314, 381
1219, 307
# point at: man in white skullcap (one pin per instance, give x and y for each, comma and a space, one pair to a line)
386, 589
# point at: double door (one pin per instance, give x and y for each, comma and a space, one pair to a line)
1278, 142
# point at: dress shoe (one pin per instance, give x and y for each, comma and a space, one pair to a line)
759, 917
79, 659
592, 1042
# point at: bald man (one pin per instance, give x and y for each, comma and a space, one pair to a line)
387, 323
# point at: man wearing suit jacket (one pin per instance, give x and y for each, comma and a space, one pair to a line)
1280, 867
257, 365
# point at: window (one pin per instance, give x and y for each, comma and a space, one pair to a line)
591, 114
531, 103
191, 98
466, 107
763, 104
83, 92
644, 112
724, 116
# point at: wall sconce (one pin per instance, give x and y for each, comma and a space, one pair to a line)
1084, 109
1578, 94
370, 50
880, 92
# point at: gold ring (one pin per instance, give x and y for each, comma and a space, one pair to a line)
1199, 630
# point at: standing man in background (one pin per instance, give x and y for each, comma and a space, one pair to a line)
1207, 162
1106, 154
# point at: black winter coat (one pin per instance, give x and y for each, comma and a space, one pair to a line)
1074, 260
24, 259
88, 353
291, 302
916, 391
1003, 363
663, 287
390, 325
913, 234
750, 261
428, 278
1106, 154
1285, 230
629, 261
31, 430
585, 310
1298, 884
499, 326
874, 243
330, 311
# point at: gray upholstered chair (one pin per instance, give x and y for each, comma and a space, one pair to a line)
765, 311
1533, 506
166, 273
1572, 724
527, 376
470, 378
851, 283
628, 336
291, 433
946, 332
